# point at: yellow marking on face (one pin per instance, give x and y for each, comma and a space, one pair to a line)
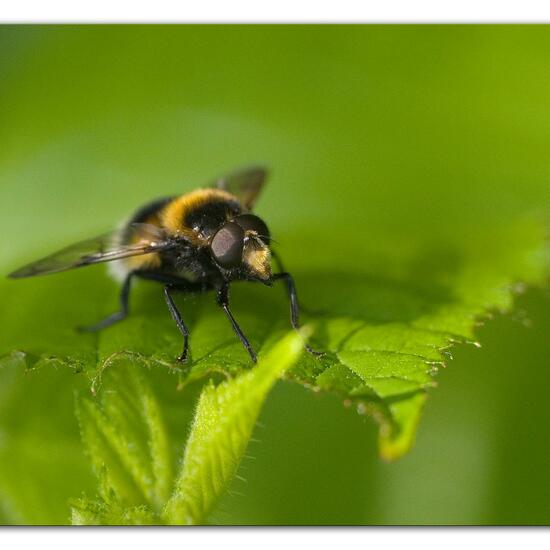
258, 260
173, 215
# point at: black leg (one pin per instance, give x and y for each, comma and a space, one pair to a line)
294, 307
223, 302
119, 315
277, 260
179, 322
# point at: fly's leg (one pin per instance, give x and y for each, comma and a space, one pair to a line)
175, 282
282, 270
277, 260
294, 307
172, 283
179, 322
119, 315
223, 302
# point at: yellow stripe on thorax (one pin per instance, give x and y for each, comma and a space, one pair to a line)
173, 215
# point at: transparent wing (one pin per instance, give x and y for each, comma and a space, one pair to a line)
99, 249
245, 184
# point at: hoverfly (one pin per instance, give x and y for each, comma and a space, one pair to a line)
199, 241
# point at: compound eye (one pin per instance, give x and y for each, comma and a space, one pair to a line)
227, 245
249, 222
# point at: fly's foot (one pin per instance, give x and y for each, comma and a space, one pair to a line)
313, 352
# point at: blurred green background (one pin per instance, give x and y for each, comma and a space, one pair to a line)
392, 134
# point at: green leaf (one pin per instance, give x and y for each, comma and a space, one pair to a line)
386, 335
126, 440
223, 423
87, 512
409, 197
40, 451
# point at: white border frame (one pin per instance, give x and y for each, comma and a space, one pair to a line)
274, 11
